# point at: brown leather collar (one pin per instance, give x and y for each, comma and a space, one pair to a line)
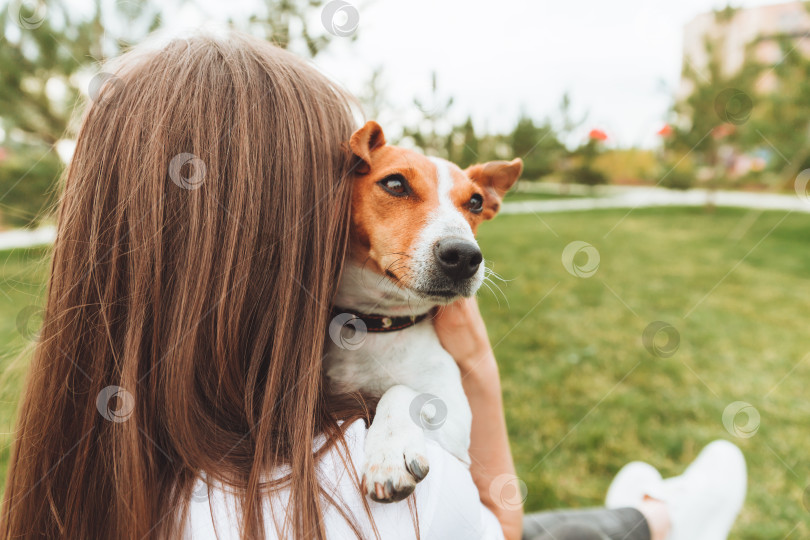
380, 323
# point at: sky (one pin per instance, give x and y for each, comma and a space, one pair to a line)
619, 61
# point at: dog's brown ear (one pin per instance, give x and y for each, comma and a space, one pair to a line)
495, 178
364, 141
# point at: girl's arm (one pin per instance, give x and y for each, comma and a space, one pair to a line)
462, 333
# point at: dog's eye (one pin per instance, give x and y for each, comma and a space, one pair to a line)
395, 185
476, 203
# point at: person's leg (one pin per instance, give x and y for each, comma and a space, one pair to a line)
700, 504
657, 515
589, 524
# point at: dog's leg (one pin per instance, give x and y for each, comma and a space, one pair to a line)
396, 457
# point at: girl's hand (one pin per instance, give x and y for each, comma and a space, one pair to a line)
462, 333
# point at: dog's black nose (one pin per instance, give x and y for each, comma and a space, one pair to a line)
458, 259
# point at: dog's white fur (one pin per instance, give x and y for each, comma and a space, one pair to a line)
407, 367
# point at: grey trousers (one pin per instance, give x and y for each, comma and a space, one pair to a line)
590, 524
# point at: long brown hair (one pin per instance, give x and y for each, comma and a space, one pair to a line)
202, 228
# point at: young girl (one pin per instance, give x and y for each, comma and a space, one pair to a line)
177, 389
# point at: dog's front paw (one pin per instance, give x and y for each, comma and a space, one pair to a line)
393, 469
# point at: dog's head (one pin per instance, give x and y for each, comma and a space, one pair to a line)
414, 218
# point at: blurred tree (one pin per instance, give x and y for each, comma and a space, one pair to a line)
50, 50
585, 172
538, 146
462, 145
568, 123
27, 177
712, 118
373, 98
43, 49
44, 46
780, 122
469, 152
286, 22
425, 134
763, 109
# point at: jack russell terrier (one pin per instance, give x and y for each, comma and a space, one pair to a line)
412, 247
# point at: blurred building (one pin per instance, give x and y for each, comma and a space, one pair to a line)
735, 30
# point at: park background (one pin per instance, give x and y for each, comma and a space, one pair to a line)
651, 270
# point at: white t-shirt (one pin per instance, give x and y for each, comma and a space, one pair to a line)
447, 503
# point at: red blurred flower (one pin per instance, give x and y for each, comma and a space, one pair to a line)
666, 131
597, 135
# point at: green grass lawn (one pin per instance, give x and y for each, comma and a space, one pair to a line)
583, 395
23, 274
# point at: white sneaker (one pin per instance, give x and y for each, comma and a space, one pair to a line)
704, 501
631, 484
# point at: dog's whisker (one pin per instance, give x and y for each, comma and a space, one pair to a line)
487, 279
498, 300
489, 282
489, 273
492, 273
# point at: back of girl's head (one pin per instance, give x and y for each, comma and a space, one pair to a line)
201, 229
